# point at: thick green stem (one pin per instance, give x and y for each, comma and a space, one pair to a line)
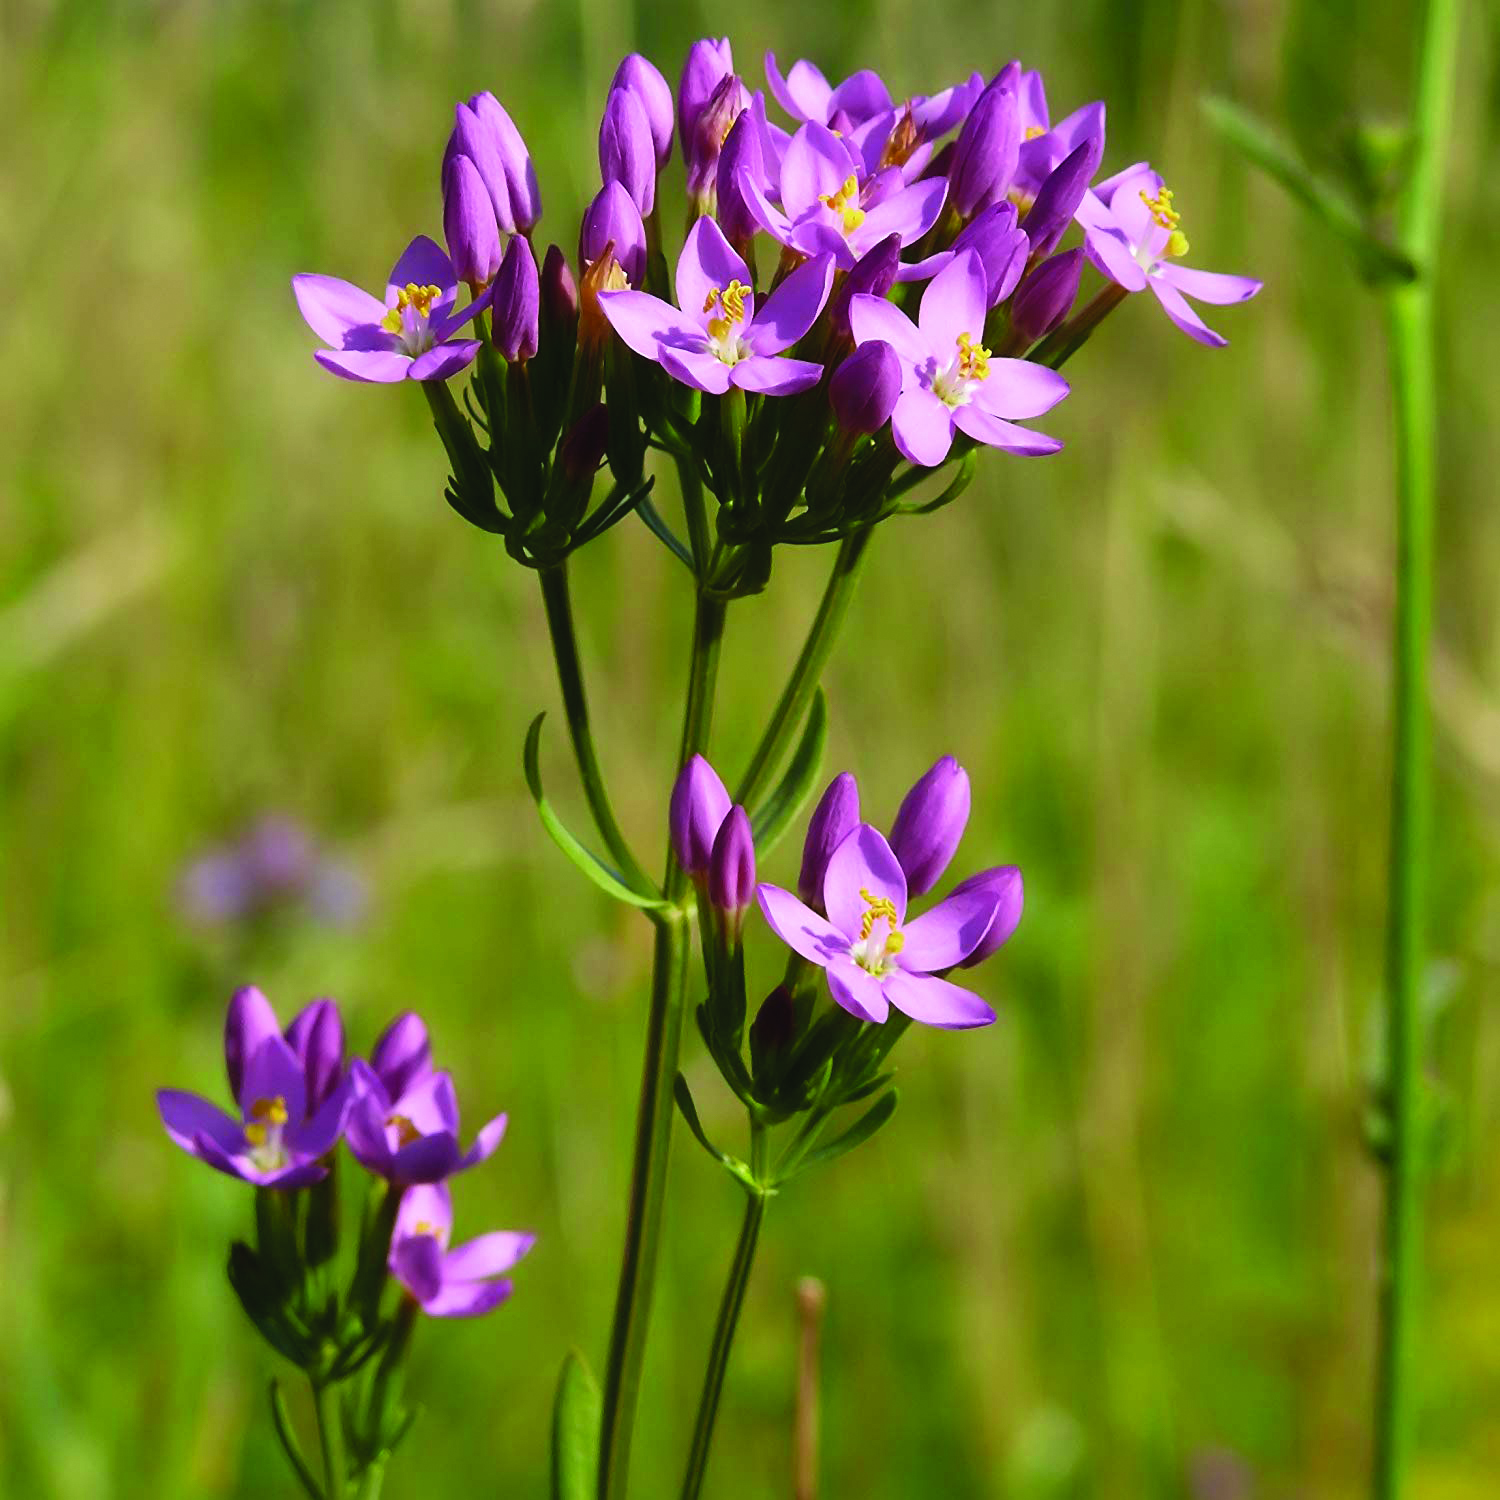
653, 1132
330, 1438
729, 1316
554, 580
793, 705
1410, 317
374, 1478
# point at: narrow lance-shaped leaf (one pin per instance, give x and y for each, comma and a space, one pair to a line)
771, 820
575, 1431
664, 533
856, 1135
589, 863
689, 1110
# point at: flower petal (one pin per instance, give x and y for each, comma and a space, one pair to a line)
978, 424
792, 308
444, 361
187, 1117
863, 863
431, 1104
375, 366
858, 991
773, 375
955, 303
427, 1204
642, 321
429, 1159
922, 426
861, 95
767, 215
708, 264
909, 213
949, 932
1018, 388
487, 1255
274, 1071
699, 368
1181, 313
816, 165
804, 93
800, 927
873, 318
425, 263
417, 1262
936, 1002
332, 307
320, 1134
248, 1022
468, 1299
1216, 287
489, 1137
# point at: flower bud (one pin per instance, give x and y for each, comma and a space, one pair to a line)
316, 1035
725, 105
742, 153
249, 1022
774, 1026
1005, 882
1058, 197
1001, 247
874, 274
731, 865
515, 161
559, 294
836, 815
613, 219
583, 446
930, 823
864, 388
472, 138
700, 804
627, 152
403, 1055
643, 78
984, 159
469, 224
708, 63
1046, 296
516, 308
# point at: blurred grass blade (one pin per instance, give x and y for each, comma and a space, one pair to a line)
575, 1431
856, 1135
1259, 144
589, 863
771, 820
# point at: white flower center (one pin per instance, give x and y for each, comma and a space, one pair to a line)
264, 1130
410, 319
880, 936
954, 386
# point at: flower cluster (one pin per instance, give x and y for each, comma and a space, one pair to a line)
880, 280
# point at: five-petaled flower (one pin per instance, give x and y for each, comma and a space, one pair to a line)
720, 338
873, 957
1132, 234
408, 336
459, 1283
950, 382
282, 1132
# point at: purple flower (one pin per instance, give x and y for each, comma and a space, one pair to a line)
833, 819
700, 803
701, 154
831, 203
473, 138
805, 94
865, 388
1057, 201
412, 1136
402, 1055
745, 151
1131, 234
458, 1283
992, 235
643, 78
950, 381
281, 1132
627, 149
1004, 883
719, 338
873, 275
469, 224
1044, 145
407, 335
559, 290
930, 822
316, 1035
612, 219
516, 305
731, 865
1046, 296
708, 63
984, 161
873, 957
525, 197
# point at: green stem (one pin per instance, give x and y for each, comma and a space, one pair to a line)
330, 1438
374, 1478
1410, 320
729, 1316
653, 1132
290, 1446
795, 698
554, 580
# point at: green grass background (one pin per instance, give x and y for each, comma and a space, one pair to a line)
1123, 1243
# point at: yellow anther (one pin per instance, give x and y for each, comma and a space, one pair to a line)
879, 906
410, 295
895, 942
269, 1111
730, 301
1177, 243
423, 1227
973, 359
845, 203
406, 1132
1033, 131
1160, 208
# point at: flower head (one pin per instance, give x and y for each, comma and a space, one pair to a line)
1133, 234
833, 819
805, 94
643, 78
613, 222
290, 1103
950, 381
930, 823
408, 336
469, 223
989, 145
516, 306
865, 388
461, 1282
700, 804
627, 149
719, 338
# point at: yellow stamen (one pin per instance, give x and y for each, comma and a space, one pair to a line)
423, 1227
265, 1114
1177, 243
410, 295
879, 906
1161, 209
973, 359
845, 203
406, 1132
1033, 131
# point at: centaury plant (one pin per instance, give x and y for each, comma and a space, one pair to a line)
862, 300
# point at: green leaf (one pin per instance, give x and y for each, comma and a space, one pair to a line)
664, 533
731, 1164
608, 880
955, 487
290, 1446
1260, 145
856, 1135
774, 816
575, 1431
